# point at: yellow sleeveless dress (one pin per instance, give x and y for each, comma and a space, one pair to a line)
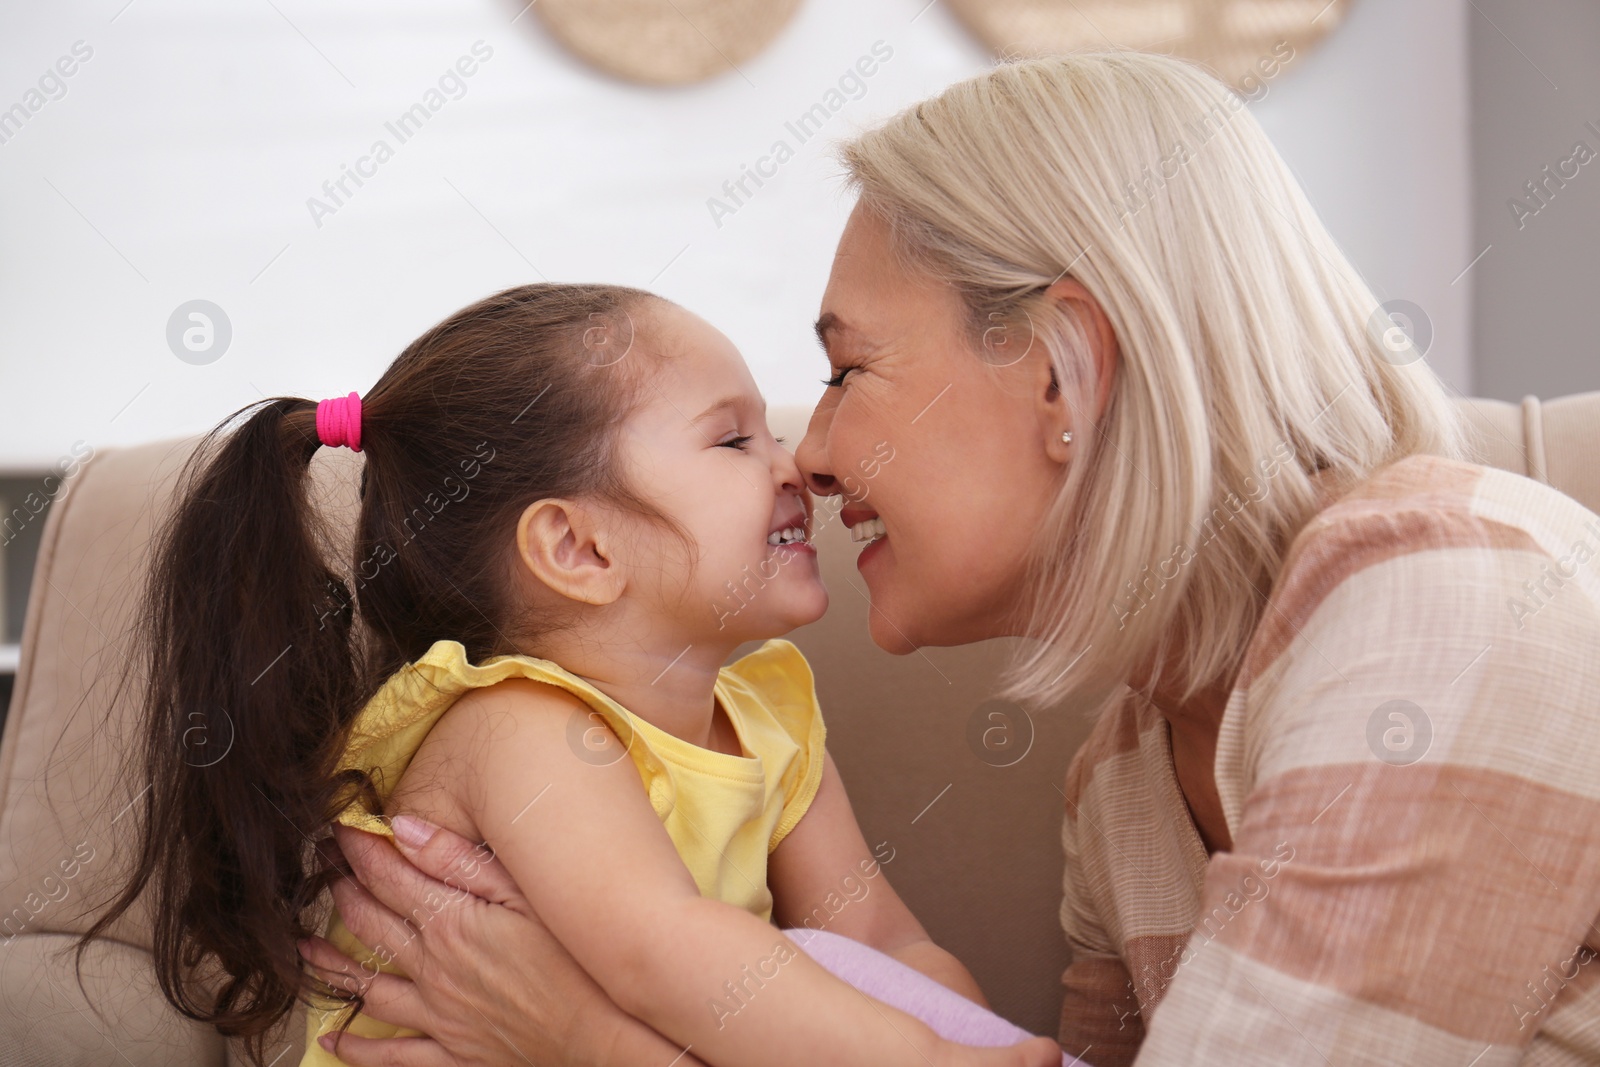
724, 813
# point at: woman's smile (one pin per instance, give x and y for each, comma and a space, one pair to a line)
865, 524
865, 527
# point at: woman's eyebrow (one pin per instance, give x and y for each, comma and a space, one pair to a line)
826, 323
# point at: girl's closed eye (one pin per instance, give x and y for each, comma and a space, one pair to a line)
738, 442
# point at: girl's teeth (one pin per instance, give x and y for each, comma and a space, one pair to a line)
789, 536
870, 530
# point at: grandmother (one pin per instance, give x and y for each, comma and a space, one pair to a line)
1342, 805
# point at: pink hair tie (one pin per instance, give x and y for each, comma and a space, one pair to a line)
339, 421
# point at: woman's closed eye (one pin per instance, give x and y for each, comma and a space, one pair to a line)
838, 377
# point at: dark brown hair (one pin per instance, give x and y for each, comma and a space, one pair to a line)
249, 630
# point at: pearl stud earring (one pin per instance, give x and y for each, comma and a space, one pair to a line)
1066, 437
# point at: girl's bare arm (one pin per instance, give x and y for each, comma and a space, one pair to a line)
825, 877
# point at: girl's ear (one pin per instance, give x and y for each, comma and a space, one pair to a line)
563, 545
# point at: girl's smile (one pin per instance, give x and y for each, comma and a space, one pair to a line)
792, 528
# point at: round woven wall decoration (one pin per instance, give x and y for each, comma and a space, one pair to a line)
666, 42
1246, 43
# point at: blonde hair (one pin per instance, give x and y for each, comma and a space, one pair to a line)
1249, 356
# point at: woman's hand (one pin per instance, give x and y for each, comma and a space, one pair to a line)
487, 981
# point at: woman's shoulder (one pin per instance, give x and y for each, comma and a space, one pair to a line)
1438, 531
1423, 502
1437, 609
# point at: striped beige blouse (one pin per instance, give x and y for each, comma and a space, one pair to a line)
1409, 764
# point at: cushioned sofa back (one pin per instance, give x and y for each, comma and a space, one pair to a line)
65, 803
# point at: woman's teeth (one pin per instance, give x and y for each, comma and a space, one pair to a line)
870, 530
790, 536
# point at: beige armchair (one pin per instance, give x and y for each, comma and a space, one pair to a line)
975, 847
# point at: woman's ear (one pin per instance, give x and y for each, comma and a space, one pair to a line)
563, 544
1060, 410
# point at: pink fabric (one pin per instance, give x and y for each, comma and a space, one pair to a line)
882, 977
339, 421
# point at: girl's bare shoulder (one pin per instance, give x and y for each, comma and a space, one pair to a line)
452, 771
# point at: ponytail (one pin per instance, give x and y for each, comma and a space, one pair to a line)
256, 665
252, 680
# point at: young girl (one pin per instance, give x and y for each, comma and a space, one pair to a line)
572, 513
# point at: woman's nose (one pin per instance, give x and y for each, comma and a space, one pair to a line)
811, 456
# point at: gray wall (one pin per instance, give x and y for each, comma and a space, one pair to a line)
1535, 87
1375, 123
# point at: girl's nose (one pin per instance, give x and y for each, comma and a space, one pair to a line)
787, 473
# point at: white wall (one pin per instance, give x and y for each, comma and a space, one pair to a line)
179, 162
